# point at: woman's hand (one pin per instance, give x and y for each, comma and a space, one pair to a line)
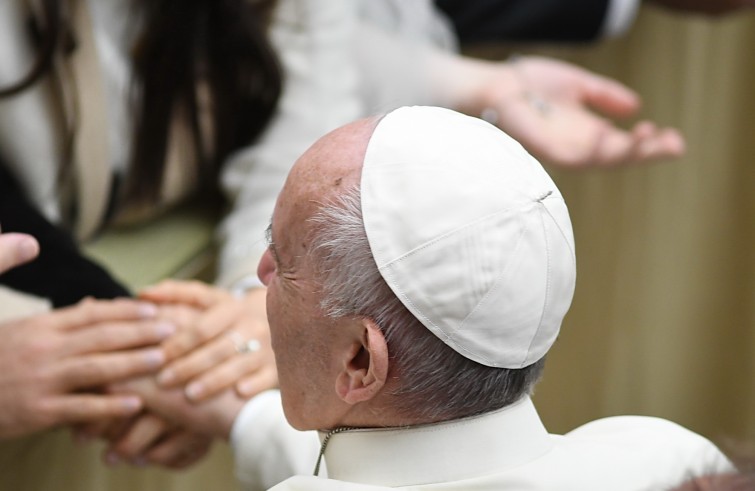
50, 364
562, 115
228, 344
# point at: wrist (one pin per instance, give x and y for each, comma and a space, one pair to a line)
493, 83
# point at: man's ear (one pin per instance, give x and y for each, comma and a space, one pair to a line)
364, 367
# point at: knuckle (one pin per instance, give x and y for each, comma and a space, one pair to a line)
189, 340
41, 348
88, 366
207, 330
88, 311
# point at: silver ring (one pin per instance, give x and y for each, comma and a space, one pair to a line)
251, 345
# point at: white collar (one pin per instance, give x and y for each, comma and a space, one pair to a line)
439, 452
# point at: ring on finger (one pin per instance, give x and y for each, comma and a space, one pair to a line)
251, 345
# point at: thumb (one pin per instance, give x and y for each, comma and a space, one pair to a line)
16, 249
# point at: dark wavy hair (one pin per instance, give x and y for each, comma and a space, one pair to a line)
212, 54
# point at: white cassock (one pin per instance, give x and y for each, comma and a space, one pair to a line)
505, 449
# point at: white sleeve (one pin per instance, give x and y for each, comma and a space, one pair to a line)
399, 70
267, 450
620, 15
314, 42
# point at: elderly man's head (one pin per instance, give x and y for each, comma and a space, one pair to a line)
418, 271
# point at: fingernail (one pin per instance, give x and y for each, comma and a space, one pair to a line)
166, 377
28, 249
154, 357
131, 404
112, 458
165, 329
246, 388
194, 390
147, 310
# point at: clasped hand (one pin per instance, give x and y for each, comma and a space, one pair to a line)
205, 382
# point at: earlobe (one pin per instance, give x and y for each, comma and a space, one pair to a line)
365, 367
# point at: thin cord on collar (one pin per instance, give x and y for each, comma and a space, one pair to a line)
325, 441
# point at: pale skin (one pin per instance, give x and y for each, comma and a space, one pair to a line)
569, 132
47, 361
16, 249
332, 373
562, 114
54, 368
51, 365
202, 364
566, 133
546, 104
204, 356
210, 338
157, 436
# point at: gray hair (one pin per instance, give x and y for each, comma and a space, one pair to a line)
435, 383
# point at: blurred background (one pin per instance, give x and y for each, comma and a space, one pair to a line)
663, 321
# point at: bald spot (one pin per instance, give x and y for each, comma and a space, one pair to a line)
333, 163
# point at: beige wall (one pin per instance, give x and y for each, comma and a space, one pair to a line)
663, 321
664, 316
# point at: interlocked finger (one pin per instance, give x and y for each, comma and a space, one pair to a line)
199, 361
138, 438
222, 376
209, 325
180, 450
265, 378
103, 368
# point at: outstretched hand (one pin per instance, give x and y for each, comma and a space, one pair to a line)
563, 115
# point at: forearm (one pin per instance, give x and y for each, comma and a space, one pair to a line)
400, 71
